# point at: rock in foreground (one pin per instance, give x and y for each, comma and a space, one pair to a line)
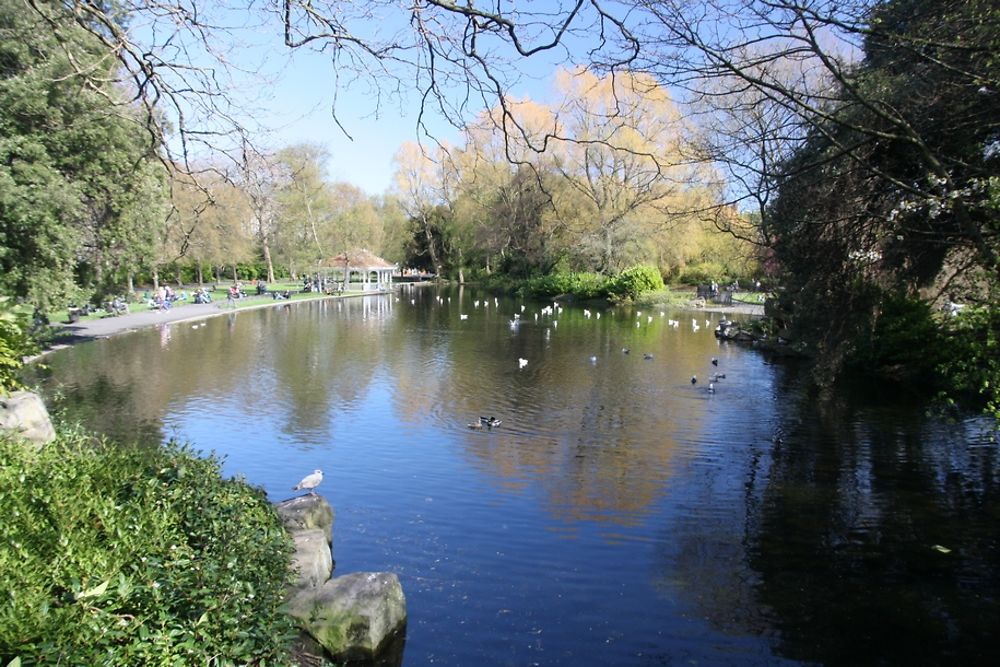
353, 617
308, 511
23, 414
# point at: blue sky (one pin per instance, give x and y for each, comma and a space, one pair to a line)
286, 96
293, 96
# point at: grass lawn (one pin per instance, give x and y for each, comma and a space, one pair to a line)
219, 296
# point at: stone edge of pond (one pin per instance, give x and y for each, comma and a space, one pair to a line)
359, 616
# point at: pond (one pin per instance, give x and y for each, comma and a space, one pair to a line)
620, 515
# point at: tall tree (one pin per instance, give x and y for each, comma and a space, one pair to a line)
80, 184
418, 180
305, 208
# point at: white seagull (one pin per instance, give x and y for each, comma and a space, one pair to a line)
310, 482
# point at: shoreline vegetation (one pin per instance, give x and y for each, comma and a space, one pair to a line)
117, 554
102, 325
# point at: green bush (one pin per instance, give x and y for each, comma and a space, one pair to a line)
972, 366
702, 273
15, 343
136, 556
580, 285
634, 281
904, 338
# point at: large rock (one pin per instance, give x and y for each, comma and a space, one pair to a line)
305, 512
312, 560
353, 617
23, 414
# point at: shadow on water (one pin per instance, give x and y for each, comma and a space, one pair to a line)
869, 535
876, 538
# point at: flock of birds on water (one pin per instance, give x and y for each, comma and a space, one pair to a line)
488, 423
553, 311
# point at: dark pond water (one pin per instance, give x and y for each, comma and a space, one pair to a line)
620, 515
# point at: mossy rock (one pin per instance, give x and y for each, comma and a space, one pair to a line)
354, 617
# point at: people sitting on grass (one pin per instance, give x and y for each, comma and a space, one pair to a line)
201, 295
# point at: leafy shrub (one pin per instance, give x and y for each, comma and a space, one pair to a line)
15, 343
972, 366
634, 281
702, 274
580, 285
136, 556
904, 337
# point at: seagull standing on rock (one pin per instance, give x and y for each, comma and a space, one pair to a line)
310, 482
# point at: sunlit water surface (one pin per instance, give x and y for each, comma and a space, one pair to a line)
621, 515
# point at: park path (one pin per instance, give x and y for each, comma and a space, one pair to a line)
139, 319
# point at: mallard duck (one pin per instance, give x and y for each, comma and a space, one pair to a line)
476, 426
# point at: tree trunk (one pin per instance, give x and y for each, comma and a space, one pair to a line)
201, 276
236, 275
156, 278
177, 275
435, 262
130, 279
267, 260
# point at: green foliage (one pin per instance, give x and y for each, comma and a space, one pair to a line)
702, 273
635, 281
973, 363
15, 343
580, 285
80, 187
136, 556
904, 337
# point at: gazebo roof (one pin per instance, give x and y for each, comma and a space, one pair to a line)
359, 258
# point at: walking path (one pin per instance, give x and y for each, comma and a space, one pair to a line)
141, 318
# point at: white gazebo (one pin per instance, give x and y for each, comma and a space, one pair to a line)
362, 267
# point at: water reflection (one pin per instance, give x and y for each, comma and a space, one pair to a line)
620, 515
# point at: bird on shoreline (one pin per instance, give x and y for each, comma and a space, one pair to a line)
310, 482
